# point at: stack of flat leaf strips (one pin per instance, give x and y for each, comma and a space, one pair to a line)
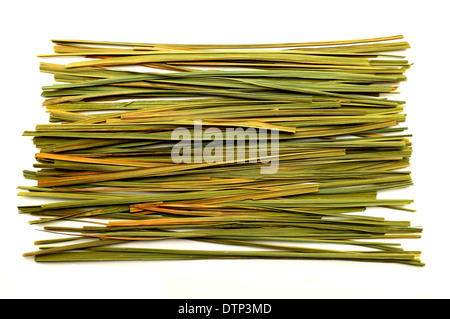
106, 155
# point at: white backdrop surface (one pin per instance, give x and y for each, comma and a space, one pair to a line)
27, 28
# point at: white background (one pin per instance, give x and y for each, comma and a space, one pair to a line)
28, 26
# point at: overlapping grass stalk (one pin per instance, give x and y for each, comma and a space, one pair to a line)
106, 153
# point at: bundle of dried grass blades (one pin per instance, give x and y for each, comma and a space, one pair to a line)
107, 153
